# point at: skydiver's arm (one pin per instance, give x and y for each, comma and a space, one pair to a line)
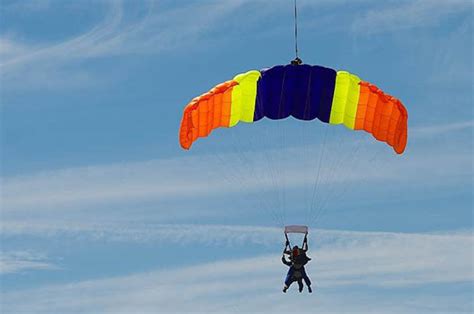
284, 261
305, 243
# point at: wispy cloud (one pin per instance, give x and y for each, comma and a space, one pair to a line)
32, 5
160, 29
157, 30
136, 183
428, 131
142, 232
10, 49
41, 64
396, 15
344, 261
86, 45
22, 261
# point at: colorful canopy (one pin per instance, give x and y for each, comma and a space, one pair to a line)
303, 91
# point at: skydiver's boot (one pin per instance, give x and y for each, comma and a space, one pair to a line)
285, 288
309, 289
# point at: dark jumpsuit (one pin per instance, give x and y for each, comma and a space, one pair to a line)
297, 271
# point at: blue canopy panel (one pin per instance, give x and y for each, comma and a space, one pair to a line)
302, 91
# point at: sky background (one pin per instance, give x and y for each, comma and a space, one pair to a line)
102, 211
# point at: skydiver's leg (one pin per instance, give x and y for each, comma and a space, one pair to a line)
306, 279
300, 285
289, 277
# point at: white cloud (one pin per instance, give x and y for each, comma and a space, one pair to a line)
433, 130
142, 232
31, 5
58, 64
398, 15
164, 29
157, 30
119, 182
123, 31
352, 264
9, 49
82, 46
22, 261
134, 183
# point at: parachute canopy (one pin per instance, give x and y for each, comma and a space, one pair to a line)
304, 92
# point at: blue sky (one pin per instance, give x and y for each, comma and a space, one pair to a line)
102, 211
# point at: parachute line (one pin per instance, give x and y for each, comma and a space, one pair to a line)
296, 32
260, 164
318, 174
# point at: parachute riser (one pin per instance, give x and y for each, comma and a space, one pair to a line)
287, 243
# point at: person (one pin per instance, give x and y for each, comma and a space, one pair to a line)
297, 260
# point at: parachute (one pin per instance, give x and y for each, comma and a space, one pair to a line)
305, 92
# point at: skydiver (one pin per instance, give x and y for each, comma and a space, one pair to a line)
297, 260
